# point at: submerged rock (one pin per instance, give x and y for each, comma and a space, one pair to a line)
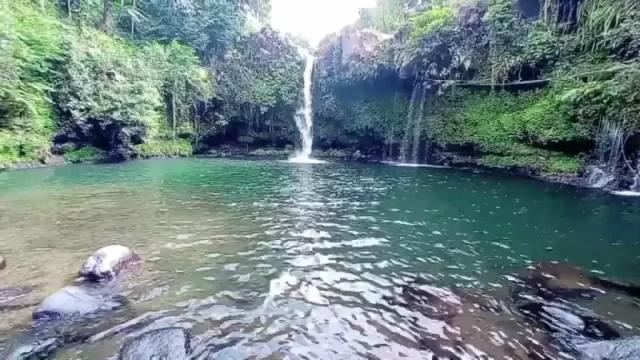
621, 286
108, 262
169, 343
565, 319
12, 298
478, 325
3, 263
78, 300
561, 279
433, 302
623, 349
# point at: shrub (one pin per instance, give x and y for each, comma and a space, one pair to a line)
85, 154
430, 21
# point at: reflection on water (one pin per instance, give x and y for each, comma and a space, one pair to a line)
280, 260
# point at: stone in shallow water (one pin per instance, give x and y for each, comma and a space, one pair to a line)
623, 349
433, 302
108, 262
12, 298
3, 263
78, 300
169, 343
560, 279
565, 319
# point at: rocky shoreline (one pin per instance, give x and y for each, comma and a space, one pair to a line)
447, 159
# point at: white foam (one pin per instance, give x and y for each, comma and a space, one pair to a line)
304, 159
412, 165
312, 234
627, 193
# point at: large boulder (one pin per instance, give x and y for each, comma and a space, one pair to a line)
78, 300
169, 343
108, 262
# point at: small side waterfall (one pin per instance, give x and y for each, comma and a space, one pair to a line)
636, 182
417, 129
404, 146
413, 127
610, 149
304, 115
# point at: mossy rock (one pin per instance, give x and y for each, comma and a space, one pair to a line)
85, 154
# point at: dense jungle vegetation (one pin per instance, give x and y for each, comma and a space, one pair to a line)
116, 79
548, 88
529, 85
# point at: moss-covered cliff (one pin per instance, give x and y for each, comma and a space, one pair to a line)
124, 79
547, 88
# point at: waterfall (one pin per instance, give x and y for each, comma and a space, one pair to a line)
417, 129
610, 148
404, 147
636, 181
304, 115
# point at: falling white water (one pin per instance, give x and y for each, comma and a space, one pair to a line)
404, 147
636, 181
304, 116
634, 190
610, 150
417, 129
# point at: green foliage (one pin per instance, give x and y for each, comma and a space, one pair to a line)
497, 121
509, 129
165, 148
610, 25
388, 15
108, 79
17, 146
185, 84
612, 95
430, 21
85, 154
156, 86
30, 48
260, 83
210, 26
360, 113
539, 160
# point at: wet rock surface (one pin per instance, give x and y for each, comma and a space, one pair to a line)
623, 349
566, 319
13, 298
3, 263
78, 300
552, 279
108, 262
169, 343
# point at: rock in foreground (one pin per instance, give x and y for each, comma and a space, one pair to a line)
169, 343
624, 349
79, 300
108, 262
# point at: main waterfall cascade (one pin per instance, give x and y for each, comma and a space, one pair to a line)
304, 115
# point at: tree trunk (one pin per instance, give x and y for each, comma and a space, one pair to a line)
107, 18
69, 9
173, 107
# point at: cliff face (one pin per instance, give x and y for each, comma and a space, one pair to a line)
488, 85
